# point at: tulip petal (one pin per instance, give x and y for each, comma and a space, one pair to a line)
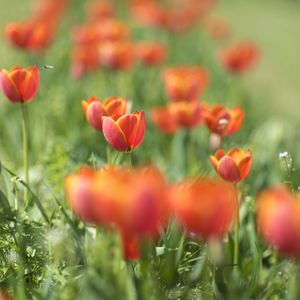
236, 154
94, 114
214, 162
219, 154
9, 88
140, 133
229, 170
84, 106
128, 124
114, 134
245, 165
30, 84
131, 246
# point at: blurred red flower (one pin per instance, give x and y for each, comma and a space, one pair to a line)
278, 219
185, 82
151, 53
163, 119
117, 55
204, 206
240, 57
100, 9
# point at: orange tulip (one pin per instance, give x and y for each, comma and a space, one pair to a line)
223, 121
116, 55
240, 57
81, 194
164, 120
187, 114
185, 83
97, 10
112, 30
151, 53
127, 133
217, 28
31, 34
204, 206
18, 84
148, 13
233, 166
85, 34
85, 58
94, 109
131, 200
278, 219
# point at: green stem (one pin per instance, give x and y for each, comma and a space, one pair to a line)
129, 163
116, 157
25, 151
237, 234
108, 154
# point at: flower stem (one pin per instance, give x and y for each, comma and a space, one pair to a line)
129, 162
116, 157
237, 233
108, 154
25, 151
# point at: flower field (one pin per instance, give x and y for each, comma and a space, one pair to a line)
148, 151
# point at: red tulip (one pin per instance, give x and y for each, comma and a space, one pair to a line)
204, 206
240, 57
164, 120
223, 121
233, 166
217, 28
85, 58
31, 34
187, 114
116, 55
151, 53
18, 84
97, 10
127, 133
131, 200
85, 34
185, 83
278, 219
94, 109
112, 30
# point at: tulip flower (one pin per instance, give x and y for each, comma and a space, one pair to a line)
31, 34
98, 10
223, 121
151, 53
185, 83
164, 120
187, 114
278, 219
117, 55
204, 206
127, 133
81, 194
94, 109
85, 58
217, 28
131, 200
240, 57
233, 166
85, 34
112, 30
18, 84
